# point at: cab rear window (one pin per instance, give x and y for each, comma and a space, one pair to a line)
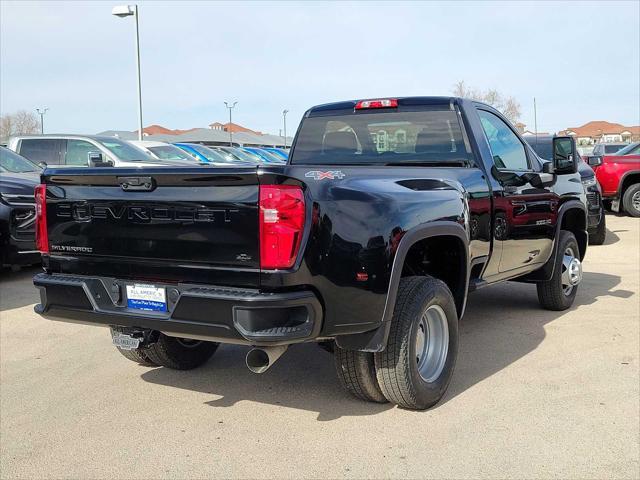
381, 137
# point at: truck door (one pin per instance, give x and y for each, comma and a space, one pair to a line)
525, 214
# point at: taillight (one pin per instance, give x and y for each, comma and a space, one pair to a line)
381, 103
42, 238
281, 225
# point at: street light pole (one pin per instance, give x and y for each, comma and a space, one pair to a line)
230, 107
535, 118
284, 118
136, 16
41, 113
126, 11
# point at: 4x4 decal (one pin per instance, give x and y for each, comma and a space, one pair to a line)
319, 175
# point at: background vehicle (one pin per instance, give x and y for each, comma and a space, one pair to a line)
18, 178
206, 154
267, 157
279, 152
607, 148
373, 245
74, 150
244, 154
596, 226
619, 176
165, 151
235, 155
631, 149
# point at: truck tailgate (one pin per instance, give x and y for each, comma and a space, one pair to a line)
185, 218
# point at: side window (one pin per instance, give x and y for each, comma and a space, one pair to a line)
41, 150
507, 149
77, 152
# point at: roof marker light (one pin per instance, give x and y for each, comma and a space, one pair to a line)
379, 103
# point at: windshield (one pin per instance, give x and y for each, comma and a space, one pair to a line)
230, 157
269, 156
125, 151
381, 137
247, 155
631, 149
541, 147
612, 148
279, 153
14, 163
170, 152
209, 154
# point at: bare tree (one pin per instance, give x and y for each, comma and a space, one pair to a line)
19, 123
509, 106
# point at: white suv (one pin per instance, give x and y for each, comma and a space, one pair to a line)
75, 150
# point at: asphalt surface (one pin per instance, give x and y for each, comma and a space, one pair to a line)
535, 394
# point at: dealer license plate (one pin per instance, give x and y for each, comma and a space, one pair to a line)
146, 297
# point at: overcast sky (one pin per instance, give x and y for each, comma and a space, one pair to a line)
580, 60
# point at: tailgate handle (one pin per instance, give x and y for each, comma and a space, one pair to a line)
136, 183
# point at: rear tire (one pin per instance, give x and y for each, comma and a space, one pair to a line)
631, 200
357, 374
600, 233
558, 293
138, 356
416, 367
178, 353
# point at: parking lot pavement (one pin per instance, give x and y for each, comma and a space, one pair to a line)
535, 394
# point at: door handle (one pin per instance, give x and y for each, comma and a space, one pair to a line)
532, 254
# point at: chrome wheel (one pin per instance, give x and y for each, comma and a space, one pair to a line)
635, 200
571, 271
432, 343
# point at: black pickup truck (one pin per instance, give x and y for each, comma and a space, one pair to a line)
386, 215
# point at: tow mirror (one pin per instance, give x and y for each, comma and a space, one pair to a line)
565, 159
594, 161
95, 159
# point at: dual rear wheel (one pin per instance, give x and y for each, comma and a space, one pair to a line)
417, 364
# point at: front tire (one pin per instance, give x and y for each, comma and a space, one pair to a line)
179, 353
559, 292
416, 367
631, 200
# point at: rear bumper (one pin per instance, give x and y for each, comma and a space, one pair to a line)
203, 312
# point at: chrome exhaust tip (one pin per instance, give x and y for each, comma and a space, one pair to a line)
259, 360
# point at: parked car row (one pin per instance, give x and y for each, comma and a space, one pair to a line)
95, 150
